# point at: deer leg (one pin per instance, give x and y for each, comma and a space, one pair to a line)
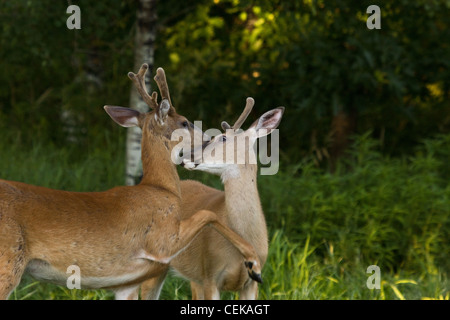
190, 227
211, 291
8, 280
11, 270
127, 293
208, 291
197, 291
12, 257
151, 289
249, 292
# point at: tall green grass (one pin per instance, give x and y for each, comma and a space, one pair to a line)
325, 229
395, 212
96, 166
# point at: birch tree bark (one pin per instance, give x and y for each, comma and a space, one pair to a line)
144, 53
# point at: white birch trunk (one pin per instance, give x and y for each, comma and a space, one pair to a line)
144, 53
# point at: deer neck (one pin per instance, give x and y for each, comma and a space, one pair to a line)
158, 168
242, 200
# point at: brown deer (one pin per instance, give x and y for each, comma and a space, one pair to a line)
120, 237
211, 264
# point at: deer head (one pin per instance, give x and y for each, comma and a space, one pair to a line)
162, 119
225, 153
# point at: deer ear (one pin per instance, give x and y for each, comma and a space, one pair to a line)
125, 117
163, 111
268, 122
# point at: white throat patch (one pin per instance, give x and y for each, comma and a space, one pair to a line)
231, 171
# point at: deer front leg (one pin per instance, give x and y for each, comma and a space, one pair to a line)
12, 256
206, 291
249, 292
190, 227
151, 289
127, 293
197, 291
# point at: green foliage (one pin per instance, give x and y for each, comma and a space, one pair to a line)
317, 58
97, 167
390, 211
55, 81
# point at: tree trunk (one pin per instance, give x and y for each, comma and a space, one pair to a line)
143, 53
343, 126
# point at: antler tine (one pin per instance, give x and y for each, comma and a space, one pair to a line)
161, 81
248, 108
139, 82
225, 126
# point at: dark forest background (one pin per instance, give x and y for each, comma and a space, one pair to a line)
335, 77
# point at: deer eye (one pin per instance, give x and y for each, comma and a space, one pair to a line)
185, 124
223, 138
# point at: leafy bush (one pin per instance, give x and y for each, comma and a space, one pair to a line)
391, 212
